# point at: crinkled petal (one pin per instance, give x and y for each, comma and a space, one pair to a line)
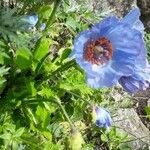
132, 18
126, 39
101, 28
106, 78
142, 73
127, 45
139, 81
141, 60
123, 63
132, 85
129, 51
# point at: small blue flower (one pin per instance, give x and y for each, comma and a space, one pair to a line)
31, 20
111, 49
43, 26
103, 118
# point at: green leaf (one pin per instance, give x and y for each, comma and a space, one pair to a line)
71, 22
3, 71
65, 54
19, 132
42, 116
124, 147
23, 58
6, 136
147, 109
45, 11
42, 48
30, 88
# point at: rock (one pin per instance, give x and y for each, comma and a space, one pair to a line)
117, 7
121, 8
128, 120
148, 103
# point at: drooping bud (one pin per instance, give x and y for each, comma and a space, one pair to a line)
101, 117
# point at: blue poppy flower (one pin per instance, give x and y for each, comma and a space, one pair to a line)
110, 49
103, 118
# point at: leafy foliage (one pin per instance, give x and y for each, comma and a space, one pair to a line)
38, 81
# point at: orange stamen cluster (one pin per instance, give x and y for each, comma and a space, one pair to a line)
102, 46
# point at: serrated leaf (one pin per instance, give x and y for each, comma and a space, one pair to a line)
6, 136
19, 132
46, 92
42, 116
45, 11
3, 71
71, 22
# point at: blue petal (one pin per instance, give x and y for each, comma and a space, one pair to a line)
123, 63
43, 26
140, 80
126, 39
101, 28
132, 85
103, 118
142, 74
106, 78
141, 60
132, 18
127, 44
32, 20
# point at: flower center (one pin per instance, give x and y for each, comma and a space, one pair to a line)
98, 51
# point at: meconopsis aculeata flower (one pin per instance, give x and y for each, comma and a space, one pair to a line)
113, 51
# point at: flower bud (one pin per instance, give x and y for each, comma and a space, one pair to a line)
76, 140
101, 117
43, 26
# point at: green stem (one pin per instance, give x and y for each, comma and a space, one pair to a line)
64, 112
58, 102
62, 68
41, 63
51, 18
83, 99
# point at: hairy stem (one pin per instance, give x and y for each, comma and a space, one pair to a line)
51, 18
